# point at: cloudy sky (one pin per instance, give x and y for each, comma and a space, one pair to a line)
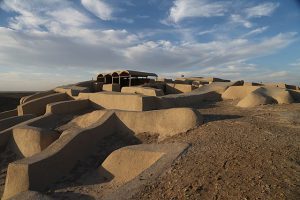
45, 43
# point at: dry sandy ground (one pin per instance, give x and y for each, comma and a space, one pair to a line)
237, 154
5, 158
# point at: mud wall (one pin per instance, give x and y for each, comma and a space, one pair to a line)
72, 90
120, 101
62, 155
38, 106
38, 138
65, 107
29, 173
9, 122
112, 87
175, 88
9, 113
143, 90
163, 122
45, 121
238, 92
35, 96
137, 102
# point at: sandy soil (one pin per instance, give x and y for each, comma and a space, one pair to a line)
6, 157
237, 154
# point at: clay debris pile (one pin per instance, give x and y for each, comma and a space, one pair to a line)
68, 124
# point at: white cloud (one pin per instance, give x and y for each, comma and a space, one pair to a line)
256, 31
238, 19
171, 56
115, 48
242, 71
182, 9
37, 15
206, 32
60, 37
277, 74
264, 9
99, 8
69, 17
296, 64
268, 75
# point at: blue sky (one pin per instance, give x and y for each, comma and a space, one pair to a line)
48, 43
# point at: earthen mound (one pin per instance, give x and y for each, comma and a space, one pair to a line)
251, 96
255, 99
218, 87
126, 163
238, 92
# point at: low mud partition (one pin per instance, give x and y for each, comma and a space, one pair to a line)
36, 96
38, 106
80, 138
120, 101
9, 113
125, 164
166, 122
147, 91
38, 138
11, 121
135, 166
31, 174
66, 107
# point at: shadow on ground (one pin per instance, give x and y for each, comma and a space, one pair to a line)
84, 168
72, 195
213, 117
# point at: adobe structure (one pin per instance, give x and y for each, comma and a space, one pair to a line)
52, 132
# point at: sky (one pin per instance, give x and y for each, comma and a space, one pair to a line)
47, 43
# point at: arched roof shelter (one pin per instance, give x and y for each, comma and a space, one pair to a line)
100, 78
124, 77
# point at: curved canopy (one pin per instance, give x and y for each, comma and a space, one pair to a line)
137, 73
128, 73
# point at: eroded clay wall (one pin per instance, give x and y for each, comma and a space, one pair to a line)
38, 138
143, 90
9, 113
65, 107
166, 122
36, 96
111, 87
175, 88
38, 106
29, 173
76, 145
11, 121
72, 90
120, 101
238, 92
46, 121
296, 95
